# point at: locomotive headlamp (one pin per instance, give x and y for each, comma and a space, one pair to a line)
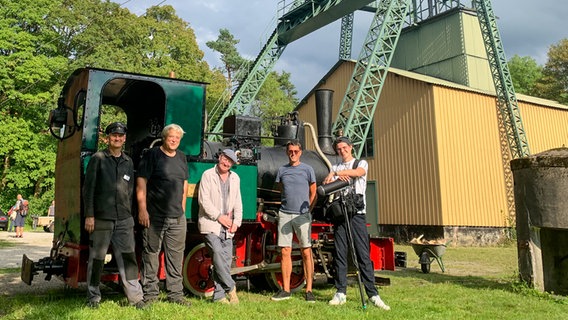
58, 121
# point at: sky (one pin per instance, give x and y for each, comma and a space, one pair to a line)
527, 28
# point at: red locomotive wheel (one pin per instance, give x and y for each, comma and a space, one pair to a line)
297, 280
197, 276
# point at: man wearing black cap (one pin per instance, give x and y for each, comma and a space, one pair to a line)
107, 195
346, 171
220, 215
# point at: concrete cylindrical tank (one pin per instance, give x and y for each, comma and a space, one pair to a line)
541, 200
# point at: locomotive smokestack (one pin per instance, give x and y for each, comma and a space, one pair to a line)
324, 104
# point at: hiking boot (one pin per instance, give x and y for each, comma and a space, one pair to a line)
150, 300
140, 305
310, 297
222, 301
338, 299
281, 295
233, 298
181, 301
376, 300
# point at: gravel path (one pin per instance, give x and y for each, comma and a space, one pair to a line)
35, 245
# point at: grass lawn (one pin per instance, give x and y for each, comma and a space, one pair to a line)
479, 283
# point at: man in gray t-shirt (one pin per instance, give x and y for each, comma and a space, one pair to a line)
298, 184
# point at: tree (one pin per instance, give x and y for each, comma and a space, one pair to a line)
28, 162
28, 63
43, 41
554, 83
275, 99
525, 72
232, 60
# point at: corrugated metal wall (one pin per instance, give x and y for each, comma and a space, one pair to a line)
450, 47
546, 127
472, 182
405, 163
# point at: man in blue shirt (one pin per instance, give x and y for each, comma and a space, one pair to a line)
298, 184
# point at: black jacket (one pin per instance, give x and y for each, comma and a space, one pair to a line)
108, 187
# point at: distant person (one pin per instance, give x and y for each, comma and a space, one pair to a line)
345, 171
21, 213
220, 215
107, 194
161, 188
298, 184
51, 210
12, 218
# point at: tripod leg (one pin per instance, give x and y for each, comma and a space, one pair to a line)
353, 254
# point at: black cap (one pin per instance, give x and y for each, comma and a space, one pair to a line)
116, 127
343, 139
339, 140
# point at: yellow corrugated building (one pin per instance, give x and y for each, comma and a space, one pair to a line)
438, 161
437, 151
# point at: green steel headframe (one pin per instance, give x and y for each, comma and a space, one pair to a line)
346, 37
360, 101
300, 17
297, 19
505, 92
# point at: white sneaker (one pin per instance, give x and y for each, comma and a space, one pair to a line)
376, 300
338, 298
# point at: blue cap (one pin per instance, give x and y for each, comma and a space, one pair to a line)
231, 155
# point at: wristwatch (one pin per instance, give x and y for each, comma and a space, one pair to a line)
335, 173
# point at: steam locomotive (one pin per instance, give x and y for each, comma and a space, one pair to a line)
149, 104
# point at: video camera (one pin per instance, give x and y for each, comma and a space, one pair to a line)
337, 185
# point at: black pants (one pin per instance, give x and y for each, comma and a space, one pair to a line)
361, 244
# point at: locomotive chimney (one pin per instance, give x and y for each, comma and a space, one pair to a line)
324, 104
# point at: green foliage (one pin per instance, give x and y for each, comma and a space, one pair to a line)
232, 60
28, 163
275, 99
525, 73
554, 83
43, 41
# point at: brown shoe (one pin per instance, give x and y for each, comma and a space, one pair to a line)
222, 301
233, 298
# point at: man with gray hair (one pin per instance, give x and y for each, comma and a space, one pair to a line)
220, 215
161, 193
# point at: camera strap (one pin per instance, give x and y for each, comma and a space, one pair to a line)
355, 166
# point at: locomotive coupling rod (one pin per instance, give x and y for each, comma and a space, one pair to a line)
263, 266
248, 268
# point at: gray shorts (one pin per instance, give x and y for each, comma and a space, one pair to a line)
290, 223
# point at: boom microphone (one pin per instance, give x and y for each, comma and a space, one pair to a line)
326, 189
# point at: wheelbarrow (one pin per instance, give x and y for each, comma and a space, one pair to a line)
428, 253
